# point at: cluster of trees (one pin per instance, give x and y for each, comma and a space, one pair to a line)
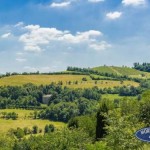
20, 133
69, 103
129, 91
142, 67
24, 96
49, 128
9, 115
64, 103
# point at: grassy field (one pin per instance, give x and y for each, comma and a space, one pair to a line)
23, 121
127, 71
103, 84
47, 79
104, 69
39, 79
115, 96
122, 71
111, 96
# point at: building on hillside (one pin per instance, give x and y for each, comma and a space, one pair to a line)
46, 98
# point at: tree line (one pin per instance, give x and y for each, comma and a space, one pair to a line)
142, 67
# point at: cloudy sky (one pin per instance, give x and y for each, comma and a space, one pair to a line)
49, 35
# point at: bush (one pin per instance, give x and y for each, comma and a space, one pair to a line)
49, 128
35, 129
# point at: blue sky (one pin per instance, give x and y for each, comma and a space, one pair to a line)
49, 35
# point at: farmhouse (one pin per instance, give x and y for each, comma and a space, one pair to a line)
46, 98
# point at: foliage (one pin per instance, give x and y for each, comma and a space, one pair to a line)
35, 129
144, 109
9, 115
64, 139
86, 123
49, 128
6, 142
142, 67
101, 120
121, 131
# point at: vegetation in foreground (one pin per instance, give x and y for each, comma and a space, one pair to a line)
96, 118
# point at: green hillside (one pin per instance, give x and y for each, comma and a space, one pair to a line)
122, 71
105, 69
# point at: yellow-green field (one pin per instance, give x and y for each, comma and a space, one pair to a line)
39, 79
23, 121
115, 96
47, 79
103, 84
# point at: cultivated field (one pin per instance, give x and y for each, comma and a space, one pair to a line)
47, 79
24, 121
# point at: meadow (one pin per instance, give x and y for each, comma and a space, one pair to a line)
24, 121
19, 80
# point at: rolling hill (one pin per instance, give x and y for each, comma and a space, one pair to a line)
122, 71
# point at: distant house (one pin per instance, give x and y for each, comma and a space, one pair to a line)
46, 98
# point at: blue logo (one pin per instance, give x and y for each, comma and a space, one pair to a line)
143, 134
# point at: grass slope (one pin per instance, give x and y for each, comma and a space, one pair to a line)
105, 69
122, 71
47, 79
127, 71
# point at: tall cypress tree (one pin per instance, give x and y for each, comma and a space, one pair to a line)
101, 121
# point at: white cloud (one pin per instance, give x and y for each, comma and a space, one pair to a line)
19, 24
19, 53
96, 1
80, 37
114, 15
37, 38
21, 59
133, 2
6, 35
35, 69
31, 69
32, 48
100, 46
60, 5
